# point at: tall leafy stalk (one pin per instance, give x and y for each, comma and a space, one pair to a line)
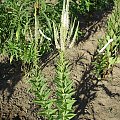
64, 86
64, 90
43, 94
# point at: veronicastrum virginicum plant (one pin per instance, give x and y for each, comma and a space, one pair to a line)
64, 38
59, 107
39, 85
109, 53
38, 36
17, 16
21, 39
43, 93
113, 31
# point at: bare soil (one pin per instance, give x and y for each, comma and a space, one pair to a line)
95, 100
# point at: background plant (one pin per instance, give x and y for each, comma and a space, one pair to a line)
18, 36
110, 55
86, 7
18, 13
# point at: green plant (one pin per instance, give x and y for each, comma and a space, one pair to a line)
64, 90
21, 38
43, 94
54, 104
109, 54
101, 69
60, 106
87, 6
113, 29
4, 23
64, 86
18, 17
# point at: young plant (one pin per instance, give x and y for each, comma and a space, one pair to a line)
101, 69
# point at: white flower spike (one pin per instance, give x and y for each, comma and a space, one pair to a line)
105, 46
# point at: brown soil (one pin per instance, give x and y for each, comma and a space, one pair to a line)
95, 100
15, 100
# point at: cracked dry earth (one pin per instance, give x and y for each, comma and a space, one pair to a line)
95, 100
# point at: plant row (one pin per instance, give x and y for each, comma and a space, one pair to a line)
109, 46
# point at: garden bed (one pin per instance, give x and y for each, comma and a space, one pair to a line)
95, 99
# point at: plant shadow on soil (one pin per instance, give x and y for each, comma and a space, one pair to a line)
108, 92
10, 75
86, 90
